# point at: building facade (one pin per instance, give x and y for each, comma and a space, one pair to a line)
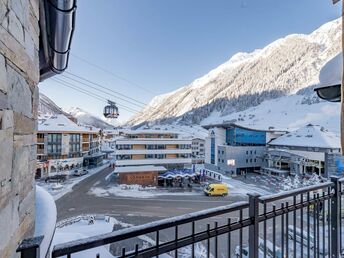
198, 150
19, 76
232, 149
153, 147
62, 145
302, 152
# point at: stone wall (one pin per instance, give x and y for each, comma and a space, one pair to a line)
19, 76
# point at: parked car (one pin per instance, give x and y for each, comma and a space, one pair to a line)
56, 179
80, 172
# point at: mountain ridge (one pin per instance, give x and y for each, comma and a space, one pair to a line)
287, 66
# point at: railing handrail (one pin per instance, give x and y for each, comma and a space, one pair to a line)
127, 233
294, 192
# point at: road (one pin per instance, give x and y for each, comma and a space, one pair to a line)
137, 211
79, 202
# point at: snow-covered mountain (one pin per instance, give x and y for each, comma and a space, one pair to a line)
48, 107
276, 81
85, 118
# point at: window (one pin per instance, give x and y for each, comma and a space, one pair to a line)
212, 151
54, 143
246, 152
255, 160
246, 160
250, 160
251, 152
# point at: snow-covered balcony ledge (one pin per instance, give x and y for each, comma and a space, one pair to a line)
46, 216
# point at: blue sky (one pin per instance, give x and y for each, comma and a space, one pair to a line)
161, 45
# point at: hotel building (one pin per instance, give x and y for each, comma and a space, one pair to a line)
153, 147
63, 145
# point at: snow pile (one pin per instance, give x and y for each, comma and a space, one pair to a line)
45, 221
296, 182
133, 191
282, 68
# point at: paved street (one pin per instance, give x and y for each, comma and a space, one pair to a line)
133, 210
136, 211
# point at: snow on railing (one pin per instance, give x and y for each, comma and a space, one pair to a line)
45, 219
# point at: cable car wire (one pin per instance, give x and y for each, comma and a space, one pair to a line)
113, 74
102, 91
100, 86
91, 94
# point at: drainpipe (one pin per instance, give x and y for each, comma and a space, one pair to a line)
57, 25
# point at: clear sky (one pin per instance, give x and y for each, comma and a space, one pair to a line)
161, 45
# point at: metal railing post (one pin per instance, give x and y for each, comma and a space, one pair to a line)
335, 217
253, 212
29, 248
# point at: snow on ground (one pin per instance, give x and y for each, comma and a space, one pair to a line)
237, 187
80, 227
133, 191
69, 183
83, 229
242, 188
286, 113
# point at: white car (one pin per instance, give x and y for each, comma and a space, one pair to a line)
80, 172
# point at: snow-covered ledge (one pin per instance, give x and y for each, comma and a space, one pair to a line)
45, 219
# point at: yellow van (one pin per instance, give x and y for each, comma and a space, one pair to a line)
216, 190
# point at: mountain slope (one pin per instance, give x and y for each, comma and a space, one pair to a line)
47, 106
86, 118
282, 68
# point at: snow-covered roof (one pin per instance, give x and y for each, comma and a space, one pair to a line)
61, 123
132, 169
309, 136
150, 131
331, 72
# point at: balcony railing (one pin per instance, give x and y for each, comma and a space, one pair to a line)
306, 222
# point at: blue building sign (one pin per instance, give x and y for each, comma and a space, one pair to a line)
236, 136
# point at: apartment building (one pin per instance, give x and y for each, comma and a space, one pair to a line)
63, 145
153, 147
198, 150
